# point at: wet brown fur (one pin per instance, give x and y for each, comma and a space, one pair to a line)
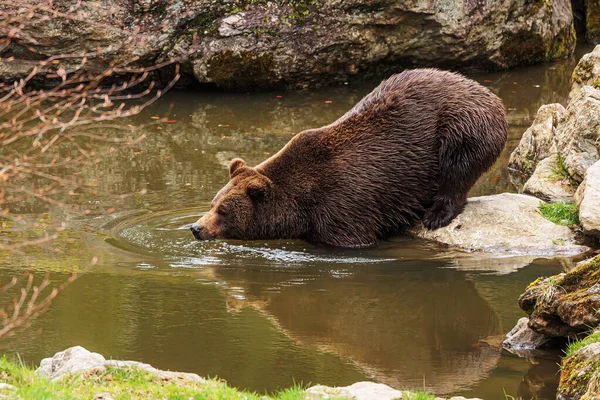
407, 152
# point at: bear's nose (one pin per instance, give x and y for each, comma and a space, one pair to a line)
196, 229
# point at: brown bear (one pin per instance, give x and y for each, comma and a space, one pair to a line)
407, 152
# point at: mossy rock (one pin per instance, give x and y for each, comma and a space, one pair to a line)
580, 373
565, 305
563, 45
528, 47
592, 21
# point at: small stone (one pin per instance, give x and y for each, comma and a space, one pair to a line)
229, 26
522, 337
463, 398
103, 396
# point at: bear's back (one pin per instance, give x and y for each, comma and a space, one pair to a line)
430, 91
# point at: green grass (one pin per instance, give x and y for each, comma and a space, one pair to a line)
561, 173
574, 346
132, 383
122, 383
418, 396
561, 213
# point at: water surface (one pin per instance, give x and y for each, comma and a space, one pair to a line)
263, 315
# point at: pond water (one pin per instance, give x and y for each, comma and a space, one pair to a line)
263, 315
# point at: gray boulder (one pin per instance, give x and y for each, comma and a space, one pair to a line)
587, 199
505, 223
70, 361
578, 135
546, 182
537, 143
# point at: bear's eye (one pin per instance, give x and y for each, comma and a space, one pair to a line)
222, 210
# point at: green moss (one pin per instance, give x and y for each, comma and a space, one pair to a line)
300, 8
561, 213
588, 271
241, 70
582, 72
206, 22
563, 44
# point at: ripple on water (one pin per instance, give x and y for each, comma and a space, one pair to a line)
166, 234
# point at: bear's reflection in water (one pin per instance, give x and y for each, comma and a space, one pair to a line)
413, 326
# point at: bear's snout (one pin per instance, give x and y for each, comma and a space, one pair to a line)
196, 230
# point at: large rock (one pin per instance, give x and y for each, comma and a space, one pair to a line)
580, 372
237, 44
578, 135
587, 72
78, 360
537, 143
547, 183
70, 361
565, 305
587, 199
505, 223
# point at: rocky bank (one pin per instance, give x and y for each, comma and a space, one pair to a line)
558, 159
78, 360
558, 156
240, 44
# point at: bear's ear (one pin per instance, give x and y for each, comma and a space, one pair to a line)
257, 187
236, 164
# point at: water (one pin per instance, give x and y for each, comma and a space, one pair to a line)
263, 315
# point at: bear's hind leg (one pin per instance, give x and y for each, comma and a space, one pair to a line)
460, 165
443, 211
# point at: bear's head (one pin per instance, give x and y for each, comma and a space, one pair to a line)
241, 209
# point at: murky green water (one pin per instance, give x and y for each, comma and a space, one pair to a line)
263, 315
